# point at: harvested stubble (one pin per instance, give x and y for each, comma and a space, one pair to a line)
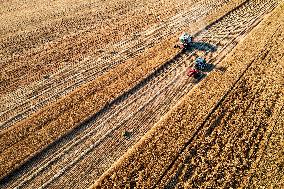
155, 158
39, 92
24, 101
25, 139
29, 54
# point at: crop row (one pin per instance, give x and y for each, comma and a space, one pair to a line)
150, 159
23, 140
269, 171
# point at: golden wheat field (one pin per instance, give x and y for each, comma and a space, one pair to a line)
94, 94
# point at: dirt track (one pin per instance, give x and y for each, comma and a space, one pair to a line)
95, 146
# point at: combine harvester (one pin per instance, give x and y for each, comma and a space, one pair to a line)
185, 42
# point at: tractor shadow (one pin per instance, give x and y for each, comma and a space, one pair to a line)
202, 46
195, 80
207, 48
209, 67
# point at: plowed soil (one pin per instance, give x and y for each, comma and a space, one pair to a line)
76, 76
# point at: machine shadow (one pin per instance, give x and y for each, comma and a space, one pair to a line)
209, 67
207, 48
202, 46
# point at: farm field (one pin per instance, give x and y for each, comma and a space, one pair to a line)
78, 76
236, 141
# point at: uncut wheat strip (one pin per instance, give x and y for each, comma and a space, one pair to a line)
232, 176
275, 117
251, 52
268, 173
257, 133
261, 145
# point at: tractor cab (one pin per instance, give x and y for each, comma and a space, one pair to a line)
200, 63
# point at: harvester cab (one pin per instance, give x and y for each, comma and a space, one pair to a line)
200, 63
184, 41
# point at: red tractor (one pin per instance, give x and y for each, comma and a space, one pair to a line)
191, 72
195, 75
